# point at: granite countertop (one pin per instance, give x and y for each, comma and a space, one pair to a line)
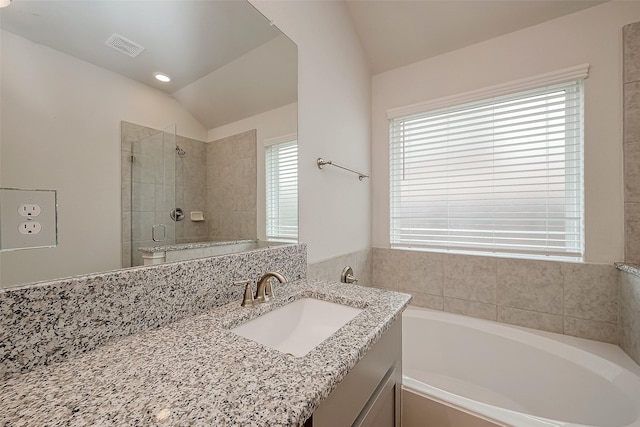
196, 245
628, 268
196, 372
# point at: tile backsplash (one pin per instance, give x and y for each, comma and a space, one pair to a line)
330, 269
54, 320
562, 297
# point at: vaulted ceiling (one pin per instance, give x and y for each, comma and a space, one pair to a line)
395, 33
228, 62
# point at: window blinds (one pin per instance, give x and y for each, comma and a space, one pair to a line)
501, 175
282, 191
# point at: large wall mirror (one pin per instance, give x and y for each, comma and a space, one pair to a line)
82, 113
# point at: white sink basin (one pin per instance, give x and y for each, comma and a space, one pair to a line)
298, 327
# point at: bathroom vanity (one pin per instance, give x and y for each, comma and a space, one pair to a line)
370, 394
196, 371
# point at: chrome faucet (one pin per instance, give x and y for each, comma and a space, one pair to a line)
265, 290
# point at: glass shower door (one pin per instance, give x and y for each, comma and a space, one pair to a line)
153, 179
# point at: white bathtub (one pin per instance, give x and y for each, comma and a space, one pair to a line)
513, 377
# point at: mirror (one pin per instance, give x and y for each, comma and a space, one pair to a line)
76, 76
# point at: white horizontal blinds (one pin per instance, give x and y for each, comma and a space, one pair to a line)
502, 175
282, 191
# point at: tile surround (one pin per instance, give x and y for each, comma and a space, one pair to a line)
570, 298
630, 311
232, 187
470, 278
589, 292
470, 308
217, 178
631, 52
331, 269
529, 285
631, 140
629, 301
531, 319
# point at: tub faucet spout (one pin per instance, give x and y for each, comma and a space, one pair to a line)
265, 290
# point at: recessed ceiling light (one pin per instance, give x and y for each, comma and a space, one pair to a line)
4, 3
162, 77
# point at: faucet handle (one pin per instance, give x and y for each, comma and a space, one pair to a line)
247, 301
268, 290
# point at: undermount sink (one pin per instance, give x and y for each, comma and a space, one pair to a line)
298, 327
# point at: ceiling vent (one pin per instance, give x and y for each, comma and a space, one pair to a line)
124, 45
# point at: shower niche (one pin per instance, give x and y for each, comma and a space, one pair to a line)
178, 190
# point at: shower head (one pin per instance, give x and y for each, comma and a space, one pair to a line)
180, 151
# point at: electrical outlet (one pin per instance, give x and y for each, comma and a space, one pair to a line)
29, 210
31, 227
28, 219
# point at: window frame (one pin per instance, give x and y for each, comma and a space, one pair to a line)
482, 97
273, 231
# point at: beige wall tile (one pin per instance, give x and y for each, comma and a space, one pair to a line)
470, 277
125, 166
383, 270
630, 315
126, 228
589, 329
125, 196
631, 211
126, 255
231, 183
631, 52
632, 171
426, 300
632, 242
531, 319
631, 119
331, 269
142, 223
418, 271
471, 308
591, 292
410, 271
530, 285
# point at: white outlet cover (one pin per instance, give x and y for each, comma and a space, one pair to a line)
18, 227
30, 227
29, 210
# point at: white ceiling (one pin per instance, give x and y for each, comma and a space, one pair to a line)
395, 33
195, 40
187, 39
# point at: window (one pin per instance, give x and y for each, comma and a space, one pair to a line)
502, 175
282, 190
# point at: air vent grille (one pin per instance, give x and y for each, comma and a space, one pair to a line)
124, 45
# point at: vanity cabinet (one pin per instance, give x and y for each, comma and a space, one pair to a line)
369, 396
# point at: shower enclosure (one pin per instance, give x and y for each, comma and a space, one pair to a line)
178, 192
153, 194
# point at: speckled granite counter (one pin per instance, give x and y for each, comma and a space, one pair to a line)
198, 245
195, 372
628, 268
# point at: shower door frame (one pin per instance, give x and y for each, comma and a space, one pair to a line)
153, 191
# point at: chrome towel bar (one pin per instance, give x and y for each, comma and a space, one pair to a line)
321, 163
